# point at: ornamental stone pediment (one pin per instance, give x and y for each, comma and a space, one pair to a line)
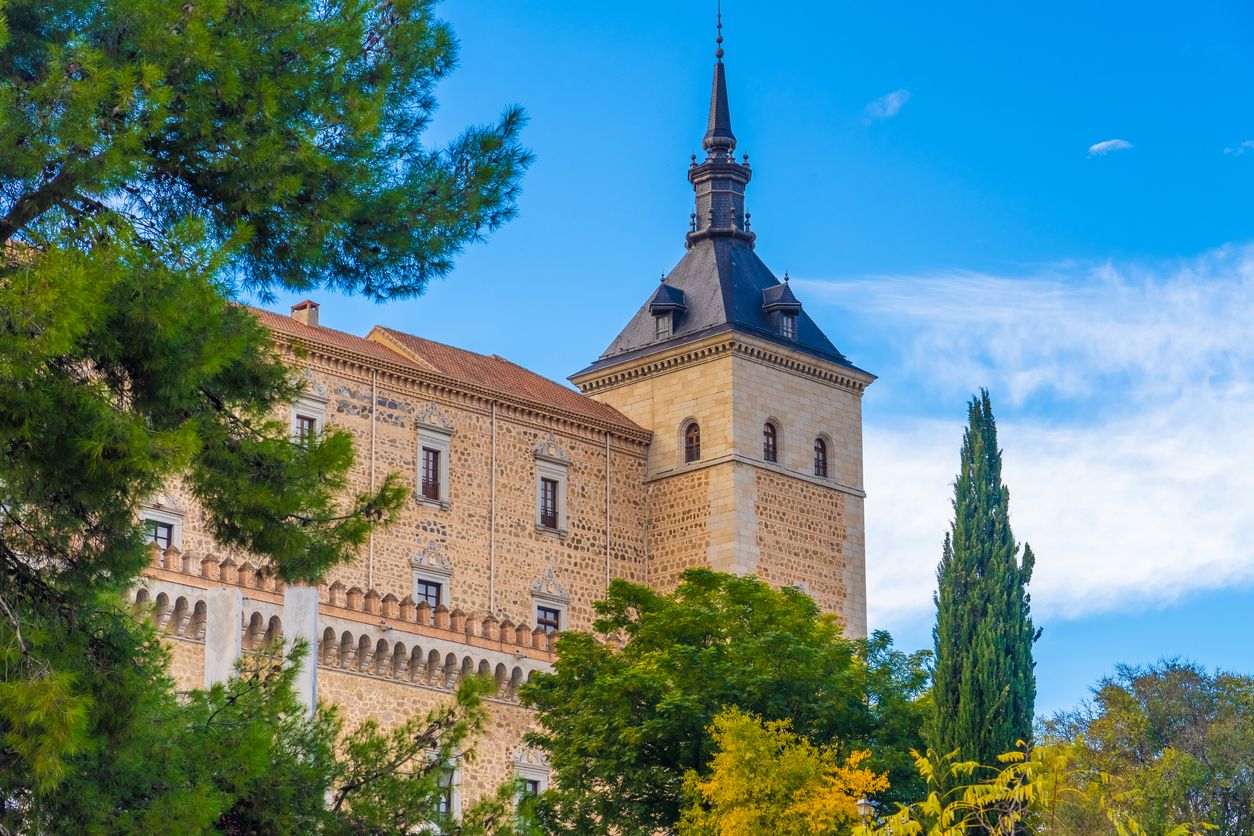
546, 586
432, 558
432, 418
549, 448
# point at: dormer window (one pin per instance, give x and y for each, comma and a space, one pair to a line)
666, 305
782, 309
788, 326
662, 326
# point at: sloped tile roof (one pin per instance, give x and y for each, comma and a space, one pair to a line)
327, 336
725, 285
457, 364
496, 372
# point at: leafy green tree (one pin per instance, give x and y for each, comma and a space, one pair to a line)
984, 686
766, 779
157, 158
246, 756
1176, 742
1038, 791
623, 726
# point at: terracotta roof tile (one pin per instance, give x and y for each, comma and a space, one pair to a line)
327, 336
455, 363
497, 373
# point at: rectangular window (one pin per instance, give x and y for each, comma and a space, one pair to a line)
548, 503
788, 326
549, 618
429, 592
160, 533
663, 324
431, 473
444, 805
306, 428
530, 787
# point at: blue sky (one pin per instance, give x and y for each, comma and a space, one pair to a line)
1054, 202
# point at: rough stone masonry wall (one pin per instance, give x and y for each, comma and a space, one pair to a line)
391, 703
679, 515
463, 530
361, 696
380, 411
804, 529
802, 540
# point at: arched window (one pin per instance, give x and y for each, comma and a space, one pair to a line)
770, 442
820, 458
692, 443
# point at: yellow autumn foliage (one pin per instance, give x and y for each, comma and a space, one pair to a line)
766, 779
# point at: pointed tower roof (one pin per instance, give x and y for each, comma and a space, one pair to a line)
720, 285
718, 134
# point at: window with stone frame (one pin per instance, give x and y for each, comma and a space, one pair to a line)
432, 485
548, 502
161, 533
435, 435
429, 591
162, 521
692, 443
447, 802
309, 412
552, 464
820, 458
548, 618
432, 577
306, 429
531, 768
770, 442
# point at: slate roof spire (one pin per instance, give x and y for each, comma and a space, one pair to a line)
719, 181
720, 285
718, 136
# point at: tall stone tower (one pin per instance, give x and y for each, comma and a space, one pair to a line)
755, 466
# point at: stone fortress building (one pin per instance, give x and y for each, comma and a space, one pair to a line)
720, 428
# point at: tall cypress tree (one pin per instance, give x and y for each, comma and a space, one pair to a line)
984, 687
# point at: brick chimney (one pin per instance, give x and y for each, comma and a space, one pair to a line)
306, 312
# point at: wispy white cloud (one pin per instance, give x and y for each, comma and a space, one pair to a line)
1125, 403
888, 105
1240, 149
1101, 149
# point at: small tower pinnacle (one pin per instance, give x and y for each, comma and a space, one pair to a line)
719, 181
719, 140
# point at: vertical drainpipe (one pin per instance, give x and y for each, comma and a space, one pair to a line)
608, 571
374, 408
492, 523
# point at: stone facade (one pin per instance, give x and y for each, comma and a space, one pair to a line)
632, 508
382, 653
537, 496
732, 510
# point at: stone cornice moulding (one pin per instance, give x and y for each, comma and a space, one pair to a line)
778, 470
403, 373
842, 377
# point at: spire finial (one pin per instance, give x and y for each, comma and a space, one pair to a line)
718, 52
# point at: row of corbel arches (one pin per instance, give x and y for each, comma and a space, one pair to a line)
413, 663
359, 653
